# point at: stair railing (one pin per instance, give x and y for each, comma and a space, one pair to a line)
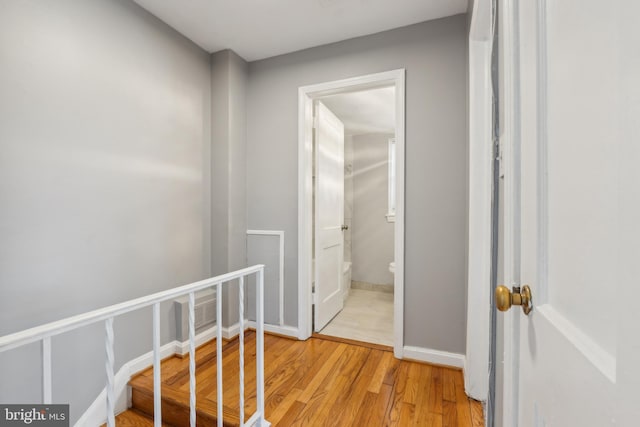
44, 333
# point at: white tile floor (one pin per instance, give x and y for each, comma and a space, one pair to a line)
366, 316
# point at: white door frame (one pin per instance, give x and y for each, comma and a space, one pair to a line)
510, 141
306, 96
476, 369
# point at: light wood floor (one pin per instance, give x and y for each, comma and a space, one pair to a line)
367, 316
316, 382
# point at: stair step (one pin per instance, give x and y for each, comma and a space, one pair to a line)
175, 405
175, 383
133, 418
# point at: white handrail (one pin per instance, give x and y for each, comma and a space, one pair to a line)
44, 333
37, 333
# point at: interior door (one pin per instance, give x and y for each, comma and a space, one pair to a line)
571, 182
329, 216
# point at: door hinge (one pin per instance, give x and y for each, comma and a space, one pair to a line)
314, 298
499, 158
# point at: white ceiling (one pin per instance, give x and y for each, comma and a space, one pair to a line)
369, 111
257, 29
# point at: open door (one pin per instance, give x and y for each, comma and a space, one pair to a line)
571, 184
329, 216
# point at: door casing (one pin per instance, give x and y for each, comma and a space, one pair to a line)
306, 96
480, 182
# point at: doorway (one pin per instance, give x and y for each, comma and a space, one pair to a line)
366, 219
310, 97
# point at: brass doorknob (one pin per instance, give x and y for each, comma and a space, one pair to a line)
506, 298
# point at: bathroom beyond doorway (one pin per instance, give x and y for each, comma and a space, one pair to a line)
369, 121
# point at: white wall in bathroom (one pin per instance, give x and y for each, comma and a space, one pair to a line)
371, 234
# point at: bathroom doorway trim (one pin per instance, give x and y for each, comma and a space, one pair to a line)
306, 96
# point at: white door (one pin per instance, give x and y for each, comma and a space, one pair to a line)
571, 150
329, 216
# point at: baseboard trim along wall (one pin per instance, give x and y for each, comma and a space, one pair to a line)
437, 357
96, 414
287, 331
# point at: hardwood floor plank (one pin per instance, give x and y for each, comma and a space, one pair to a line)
277, 372
323, 412
354, 362
320, 376
422, 398
364, 412
290, 416
205, 357
462, 402
380, 406
397, 395
324, 350
407, 414
435, 392
434, 420
311, 407
291, 371
449, 384
477, 413
390, 375
449, 414
175, 407
332, 387
413, 381
380, 373
284, 379
347, 409
132, 418
372, 363
275, 413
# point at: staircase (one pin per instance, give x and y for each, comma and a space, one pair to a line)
175, 387
188, 389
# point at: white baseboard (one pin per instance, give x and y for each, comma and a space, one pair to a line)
288, 331
182, 348
96, 414
421, 354
232, 331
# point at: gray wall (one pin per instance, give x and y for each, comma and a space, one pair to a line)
228, 162
372, 235
434, 55
104, 180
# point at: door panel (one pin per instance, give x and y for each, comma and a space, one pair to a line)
329, 216
582, 208
563, 177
